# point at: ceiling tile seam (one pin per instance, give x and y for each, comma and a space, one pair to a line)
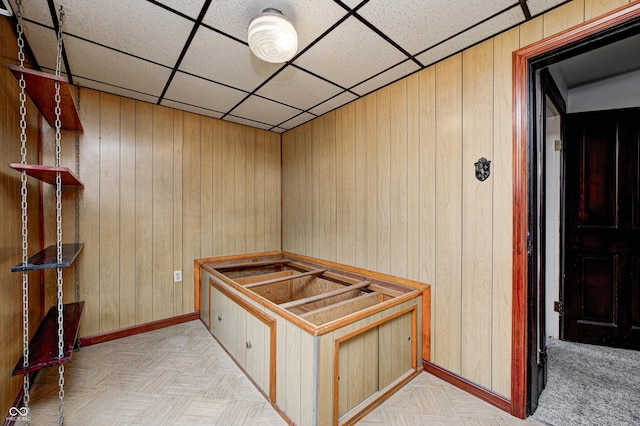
56, 28
168, 9
222, 33
192, 34
350, 89
467, 29
348, 9
112, 85
525, 9
248, 119
213, 81
321, 77
114, 49
192, 105
387, 38
302, 112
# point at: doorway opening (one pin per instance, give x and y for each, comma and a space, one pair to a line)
531, 227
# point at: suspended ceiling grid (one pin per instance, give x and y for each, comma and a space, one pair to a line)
193, 54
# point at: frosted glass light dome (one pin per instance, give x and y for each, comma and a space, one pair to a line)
272, 37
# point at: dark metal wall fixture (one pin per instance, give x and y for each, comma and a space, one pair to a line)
483, 169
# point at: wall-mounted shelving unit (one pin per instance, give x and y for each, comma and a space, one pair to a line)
43, 347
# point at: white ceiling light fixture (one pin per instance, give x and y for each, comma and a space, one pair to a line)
272, 37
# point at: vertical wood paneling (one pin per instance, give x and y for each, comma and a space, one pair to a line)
372, 184
383, 170
398, 189
594, 8
249, 165
228, 161
360, 175
90, 211
563, 17
191, 160
109, 211
502, 172
531, 31
162, 213
127, 213
273, 202
144, 207
477, 225
239, 199
178, 288
259, 191
448, 236
206, 185
413, 177
347, 185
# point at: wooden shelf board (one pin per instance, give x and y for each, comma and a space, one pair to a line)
48, 173
47, 258
40, 87
43, 348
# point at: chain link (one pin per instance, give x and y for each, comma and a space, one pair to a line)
58, 126
25, 215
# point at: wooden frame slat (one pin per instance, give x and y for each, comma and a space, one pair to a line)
326, 295
289, 277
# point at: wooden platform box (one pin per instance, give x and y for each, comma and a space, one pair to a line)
325, 343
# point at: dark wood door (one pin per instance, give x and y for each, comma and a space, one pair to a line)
602, 229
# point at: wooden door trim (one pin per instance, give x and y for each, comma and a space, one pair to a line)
521, 134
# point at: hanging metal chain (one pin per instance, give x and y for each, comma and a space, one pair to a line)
25, 216
58, 126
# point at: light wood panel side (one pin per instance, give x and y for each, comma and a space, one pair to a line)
398, 188
383, 181
372, 181
260, 192
206, 185
250, 167
214, 215
502, 173
178, 264
127, 214
594, 8
360, 188
563, 17
191, 219
90, 211
228, 161
448, 237
162, 213
477, 196
144, 205
346, 184
414, 258
239, 182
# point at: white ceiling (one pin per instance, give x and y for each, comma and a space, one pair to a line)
193, 54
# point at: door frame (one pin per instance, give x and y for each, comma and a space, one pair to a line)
594, 33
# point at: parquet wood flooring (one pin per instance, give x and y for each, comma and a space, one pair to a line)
180, 376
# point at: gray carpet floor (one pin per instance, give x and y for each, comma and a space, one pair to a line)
590, 385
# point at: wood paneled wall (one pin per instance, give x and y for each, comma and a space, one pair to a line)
388, 183
162, 188
10, 220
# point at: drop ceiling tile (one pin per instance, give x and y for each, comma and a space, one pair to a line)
45, 48
192, 90
191, 108
188, 7
353, 3
264, 110
333, 103
296, 121
278, 130
247, 122
474, 35
96, 85
310, 18
297, 88
222, 59
137, 27
537, 7
364, 55
416, 24
116, 69
37, 11
399, 71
